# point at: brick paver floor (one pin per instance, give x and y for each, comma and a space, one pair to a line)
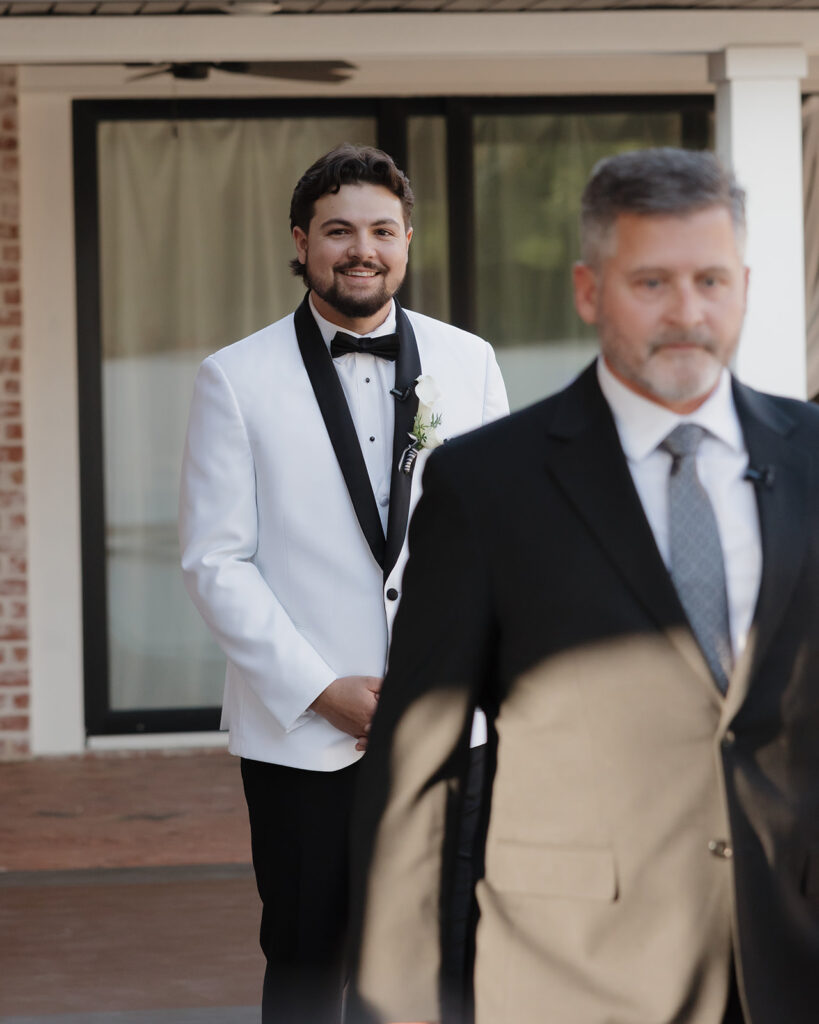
122, 810
126, 895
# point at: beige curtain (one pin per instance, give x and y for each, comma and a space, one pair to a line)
429, 252
194, 244
810, 174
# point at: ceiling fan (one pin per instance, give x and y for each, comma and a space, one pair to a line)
298, 70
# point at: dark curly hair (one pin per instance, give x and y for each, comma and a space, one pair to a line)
346, 165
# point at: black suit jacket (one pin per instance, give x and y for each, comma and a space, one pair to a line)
643, 830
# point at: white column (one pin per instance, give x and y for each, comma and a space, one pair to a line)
50, 409
759, 135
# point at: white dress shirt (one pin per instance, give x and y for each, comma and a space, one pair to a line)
722, 460
366, 381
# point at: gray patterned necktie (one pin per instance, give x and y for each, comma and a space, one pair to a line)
697, 566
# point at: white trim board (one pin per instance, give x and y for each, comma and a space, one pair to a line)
357, 37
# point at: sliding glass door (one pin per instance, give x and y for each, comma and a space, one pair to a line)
183, 243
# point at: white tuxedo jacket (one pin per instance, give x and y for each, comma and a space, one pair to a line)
283, 551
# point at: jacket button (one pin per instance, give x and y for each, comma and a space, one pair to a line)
720, 848
392, 594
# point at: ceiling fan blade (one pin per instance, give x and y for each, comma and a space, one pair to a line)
295, 70
299, 70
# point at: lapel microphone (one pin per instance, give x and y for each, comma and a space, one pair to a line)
402, 394
762, 476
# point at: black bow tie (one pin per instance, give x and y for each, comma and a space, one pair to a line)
385, 346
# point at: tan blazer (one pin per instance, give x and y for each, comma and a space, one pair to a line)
643, 829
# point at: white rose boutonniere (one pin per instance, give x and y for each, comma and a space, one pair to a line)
424, 433
426, 422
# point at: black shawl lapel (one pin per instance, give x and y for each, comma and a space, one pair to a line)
340, 427
587, 461
783, 509
407, 371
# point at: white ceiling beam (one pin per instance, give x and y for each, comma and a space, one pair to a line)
398, 35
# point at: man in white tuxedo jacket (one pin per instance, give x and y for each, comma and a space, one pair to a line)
300, 472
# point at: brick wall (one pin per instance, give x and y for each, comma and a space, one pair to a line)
14, 680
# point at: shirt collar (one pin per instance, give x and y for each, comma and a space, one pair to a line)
642, 424
329, 330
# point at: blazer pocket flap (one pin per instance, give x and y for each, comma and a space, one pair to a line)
571, 872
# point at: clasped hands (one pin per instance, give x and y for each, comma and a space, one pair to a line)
349, 704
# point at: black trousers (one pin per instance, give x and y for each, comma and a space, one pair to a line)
299, 832
733, 1011
458, 954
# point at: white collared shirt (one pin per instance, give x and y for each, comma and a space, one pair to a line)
366, 381
722, 460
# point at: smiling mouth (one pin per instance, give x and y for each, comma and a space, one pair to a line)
364, 272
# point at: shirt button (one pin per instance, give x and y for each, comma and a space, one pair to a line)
720, 848
372, 438
384, 500
366, 380
392, 594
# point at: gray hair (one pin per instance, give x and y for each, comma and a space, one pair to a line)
655, 182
